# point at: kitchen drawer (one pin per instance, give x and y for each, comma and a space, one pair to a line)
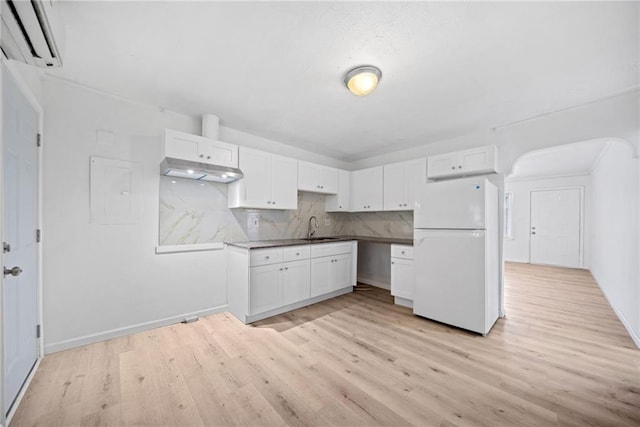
295, 253
329, 249
402, 251
266, 256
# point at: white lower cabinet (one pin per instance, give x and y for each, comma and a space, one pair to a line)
402, 274
266, 282
265, 288
296, 281
331, 273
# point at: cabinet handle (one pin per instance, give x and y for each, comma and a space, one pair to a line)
459, 166
400, 204
208, 157
392, 262
266, 257
273, 203
280, 269
286, 268
201, 155
339, 207
402, 252
453, 167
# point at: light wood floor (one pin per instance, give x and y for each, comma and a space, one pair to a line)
560, 357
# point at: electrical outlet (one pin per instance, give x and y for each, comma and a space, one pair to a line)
327, 221
253, 221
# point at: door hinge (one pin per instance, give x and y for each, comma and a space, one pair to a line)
37, 331
39, 140
38, 235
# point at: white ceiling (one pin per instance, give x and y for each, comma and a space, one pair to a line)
275, 69
564, 160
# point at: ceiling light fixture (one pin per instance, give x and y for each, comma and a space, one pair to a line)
363, 80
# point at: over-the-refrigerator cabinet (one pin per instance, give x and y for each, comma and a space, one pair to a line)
456, 253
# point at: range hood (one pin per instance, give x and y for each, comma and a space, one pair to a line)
180, 168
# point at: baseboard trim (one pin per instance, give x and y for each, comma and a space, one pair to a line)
366, 281
127, 330
634, 336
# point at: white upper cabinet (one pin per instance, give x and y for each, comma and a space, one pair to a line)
317, 178
340, 202
366, 189
467, 162
270, 181
400, 180
185, 146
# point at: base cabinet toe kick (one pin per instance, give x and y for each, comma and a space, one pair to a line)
266, 282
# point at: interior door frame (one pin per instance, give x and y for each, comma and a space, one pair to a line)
580, 225
6, 66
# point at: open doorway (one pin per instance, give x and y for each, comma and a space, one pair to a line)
549, 206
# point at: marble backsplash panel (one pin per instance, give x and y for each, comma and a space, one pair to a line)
194, 212
382, 224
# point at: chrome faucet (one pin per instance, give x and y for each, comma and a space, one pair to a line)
310, 232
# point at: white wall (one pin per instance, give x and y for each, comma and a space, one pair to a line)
104, 280
616, 234
614, 117
517, 248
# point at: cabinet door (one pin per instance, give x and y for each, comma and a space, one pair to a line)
218, 153
366, 190
341, 202
442, 165
180, 145
415, 173
308, 177
265, 288
394, 187
402, 278
321, 275
296, 281
477, 160
256, 184
284, 183
328, 180
340, 272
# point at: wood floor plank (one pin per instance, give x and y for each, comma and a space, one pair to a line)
559, 357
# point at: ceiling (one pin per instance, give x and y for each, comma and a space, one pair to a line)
564, 160
275, 69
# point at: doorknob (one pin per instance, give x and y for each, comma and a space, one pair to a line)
15, 271
533, 232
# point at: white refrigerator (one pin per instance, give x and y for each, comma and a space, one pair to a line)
456, 253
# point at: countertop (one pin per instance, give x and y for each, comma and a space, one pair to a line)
259, 244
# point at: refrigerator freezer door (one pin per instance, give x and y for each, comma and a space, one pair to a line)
458, 203
449, 283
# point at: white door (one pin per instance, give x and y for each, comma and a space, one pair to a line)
256, 166
20, 219
265, 288
415, 174
284, 183
555, 227
321, 269
449, 277
296, 281
394, 187
402, 278
341, 272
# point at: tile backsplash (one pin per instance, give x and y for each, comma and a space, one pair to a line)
196, 212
